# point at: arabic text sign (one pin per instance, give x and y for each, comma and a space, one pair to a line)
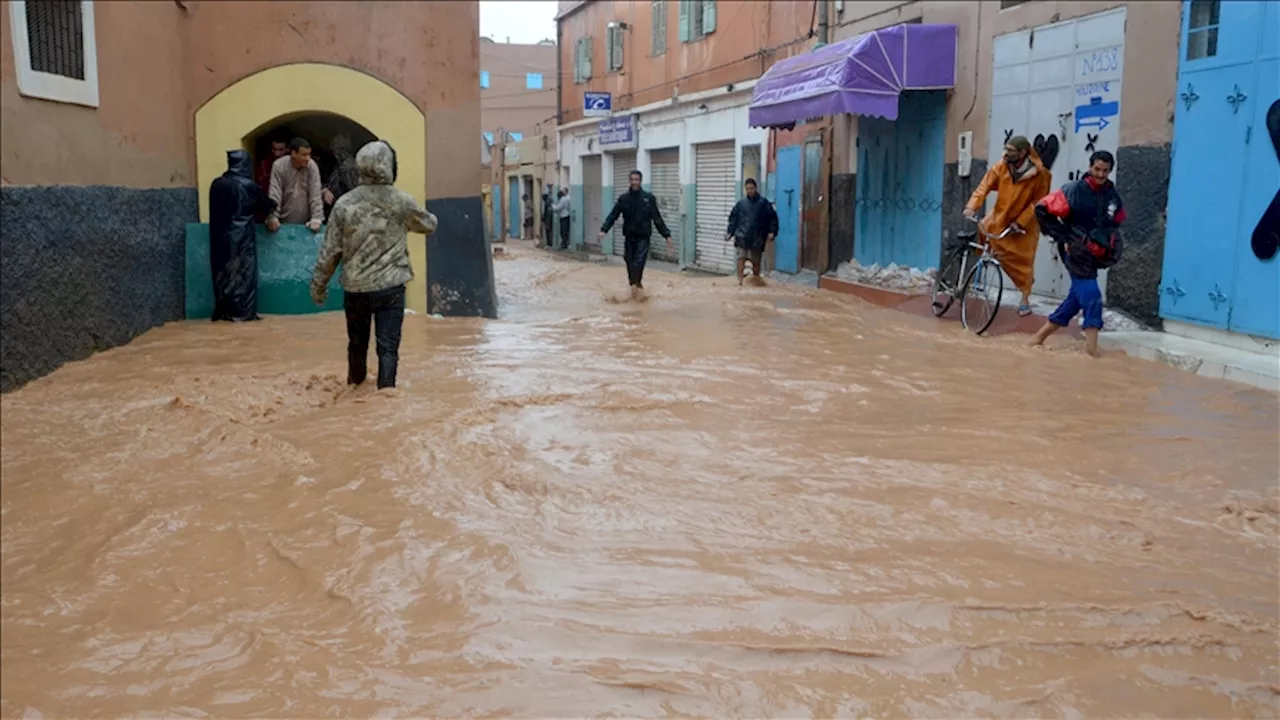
597, 104
618, 133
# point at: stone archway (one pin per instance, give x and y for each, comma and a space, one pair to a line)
233, 114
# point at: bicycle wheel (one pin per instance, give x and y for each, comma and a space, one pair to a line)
980, 300
946, 284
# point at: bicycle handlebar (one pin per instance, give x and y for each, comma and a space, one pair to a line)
989, 236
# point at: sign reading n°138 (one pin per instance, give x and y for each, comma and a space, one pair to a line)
597, 104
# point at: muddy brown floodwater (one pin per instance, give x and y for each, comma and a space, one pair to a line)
760, 502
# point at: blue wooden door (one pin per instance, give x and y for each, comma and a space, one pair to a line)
513, 208
786, 247
899, 206
1210, 148
875, 213
1255, 300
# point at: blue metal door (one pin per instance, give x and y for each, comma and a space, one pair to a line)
786, 247
1255, 302
899, 208
1214, 110
513, 207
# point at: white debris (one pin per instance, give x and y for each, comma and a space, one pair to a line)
890, 277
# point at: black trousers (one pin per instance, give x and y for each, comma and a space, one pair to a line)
636, 253
385, 310
564, 233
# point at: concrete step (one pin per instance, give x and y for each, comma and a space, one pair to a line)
1206, 359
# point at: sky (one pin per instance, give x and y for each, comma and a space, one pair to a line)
523, 21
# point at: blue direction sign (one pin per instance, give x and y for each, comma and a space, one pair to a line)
597, 104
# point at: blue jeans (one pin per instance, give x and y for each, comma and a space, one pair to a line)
1085, 296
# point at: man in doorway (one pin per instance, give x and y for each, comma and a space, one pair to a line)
753, 223
561, 209
528, 217
1019, 183
640, 215
262, 174
345, 176
367, 234
234, 200
295, 188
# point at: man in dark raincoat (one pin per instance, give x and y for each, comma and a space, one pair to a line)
753, 224
234, 200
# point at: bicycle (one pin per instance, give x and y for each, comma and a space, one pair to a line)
956, 279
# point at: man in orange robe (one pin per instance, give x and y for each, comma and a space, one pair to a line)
1019, 182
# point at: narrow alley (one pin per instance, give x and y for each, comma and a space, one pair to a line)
722, 502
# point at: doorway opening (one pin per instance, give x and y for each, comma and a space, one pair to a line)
318, 128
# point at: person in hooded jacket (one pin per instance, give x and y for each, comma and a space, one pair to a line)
367, 233
1018, 182
753, 224
234, 200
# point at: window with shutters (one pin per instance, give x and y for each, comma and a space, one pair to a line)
697, 19
582, 59
659, 26
615, 46
55, 50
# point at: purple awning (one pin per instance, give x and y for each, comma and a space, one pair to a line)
863, 75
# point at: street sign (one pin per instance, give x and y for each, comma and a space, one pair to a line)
597, 104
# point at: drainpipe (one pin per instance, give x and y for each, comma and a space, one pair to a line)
823, 26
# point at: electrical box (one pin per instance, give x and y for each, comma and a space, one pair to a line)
965, 154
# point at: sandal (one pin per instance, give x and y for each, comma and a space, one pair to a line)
1024, 310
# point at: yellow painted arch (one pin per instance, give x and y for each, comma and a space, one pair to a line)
238, 110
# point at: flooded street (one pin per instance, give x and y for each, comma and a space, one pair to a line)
722, 502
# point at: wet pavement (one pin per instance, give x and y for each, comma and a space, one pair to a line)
722, 502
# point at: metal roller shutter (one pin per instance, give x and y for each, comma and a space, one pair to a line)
623, 164
714, 173
664, 182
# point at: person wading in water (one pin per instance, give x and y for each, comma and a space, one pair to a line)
367, 234
752, 225
640, 215
1018, 182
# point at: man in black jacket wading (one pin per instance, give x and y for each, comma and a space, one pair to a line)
752, 225
639, 211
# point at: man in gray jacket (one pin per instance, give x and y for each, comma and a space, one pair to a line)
367, 234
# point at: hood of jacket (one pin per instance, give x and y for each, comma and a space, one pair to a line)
376, 162
239, 163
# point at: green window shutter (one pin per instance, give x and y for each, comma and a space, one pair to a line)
686, 16
586, 58
616, 49
577, 60
708, 17
659, 26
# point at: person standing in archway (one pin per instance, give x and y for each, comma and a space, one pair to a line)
345, 176
296, 190
367, 234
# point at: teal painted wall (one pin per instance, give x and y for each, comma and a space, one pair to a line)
576, 216
606, 245
285, 261
689, 230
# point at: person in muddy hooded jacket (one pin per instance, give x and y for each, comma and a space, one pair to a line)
367, 234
